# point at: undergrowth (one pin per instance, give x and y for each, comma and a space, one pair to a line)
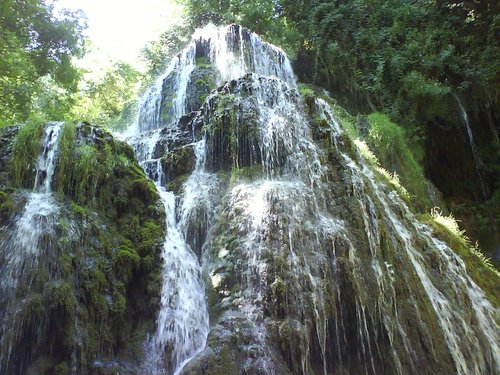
388, 141
391, 178
25, 152
480, 268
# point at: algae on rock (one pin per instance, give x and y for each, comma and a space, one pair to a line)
93, 295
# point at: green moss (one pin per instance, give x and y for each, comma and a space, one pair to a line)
66, 265
306, 90
64, 172
62, 369
145, 188
176, 184
148, 237
126, 260
86, 172
223, 363
119, 304
202, 62
279, 288
251, 172
25, 153
178, 162
77, 209
35, 305
389, 143
61, 295
6, 205
478, 267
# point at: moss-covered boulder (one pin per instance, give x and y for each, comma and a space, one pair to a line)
313, 262
201, 81
88, 302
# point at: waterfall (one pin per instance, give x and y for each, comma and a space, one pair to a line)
30, 236
475, 154
477, 164
183, 319
313, 264
460, 336
231, 50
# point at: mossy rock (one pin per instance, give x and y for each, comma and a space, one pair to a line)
201, 82
96, 289
7, 136
7, 204
479, 269
178, 162
177, 184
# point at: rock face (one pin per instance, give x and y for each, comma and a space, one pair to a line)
310, 263
81, 229
285, 251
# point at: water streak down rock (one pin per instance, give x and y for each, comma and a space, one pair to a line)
310, 264
79, 252
33, 230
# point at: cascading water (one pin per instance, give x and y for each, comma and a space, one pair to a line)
312, 264
477, 164
231, 50
31, 232
183, 319
475, 154
182, 325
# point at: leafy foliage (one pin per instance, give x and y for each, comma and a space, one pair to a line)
109, 100
389, 142
156, 53
26, 149
264, 17
35, 44
482, 271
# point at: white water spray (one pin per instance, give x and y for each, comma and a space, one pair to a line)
32, 232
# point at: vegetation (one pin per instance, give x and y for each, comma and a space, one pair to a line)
108, 100
37, 46
390, 144
480, 268
392, 179
156, 54
26, 150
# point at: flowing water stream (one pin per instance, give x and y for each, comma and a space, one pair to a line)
475, 154
183, 319
342, 259
484, 192
32, 232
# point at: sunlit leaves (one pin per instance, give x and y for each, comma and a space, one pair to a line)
35, 43
110, 99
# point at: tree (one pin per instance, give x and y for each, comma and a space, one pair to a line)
35, 43
110, 100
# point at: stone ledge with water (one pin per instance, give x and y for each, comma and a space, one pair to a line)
284, 252
309, 263
80, 238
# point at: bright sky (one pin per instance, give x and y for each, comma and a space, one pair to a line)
119, 29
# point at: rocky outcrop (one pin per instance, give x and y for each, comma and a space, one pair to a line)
312, 261
88, 290
312, 264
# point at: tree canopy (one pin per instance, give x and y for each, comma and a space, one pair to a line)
391, 55
36, 47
